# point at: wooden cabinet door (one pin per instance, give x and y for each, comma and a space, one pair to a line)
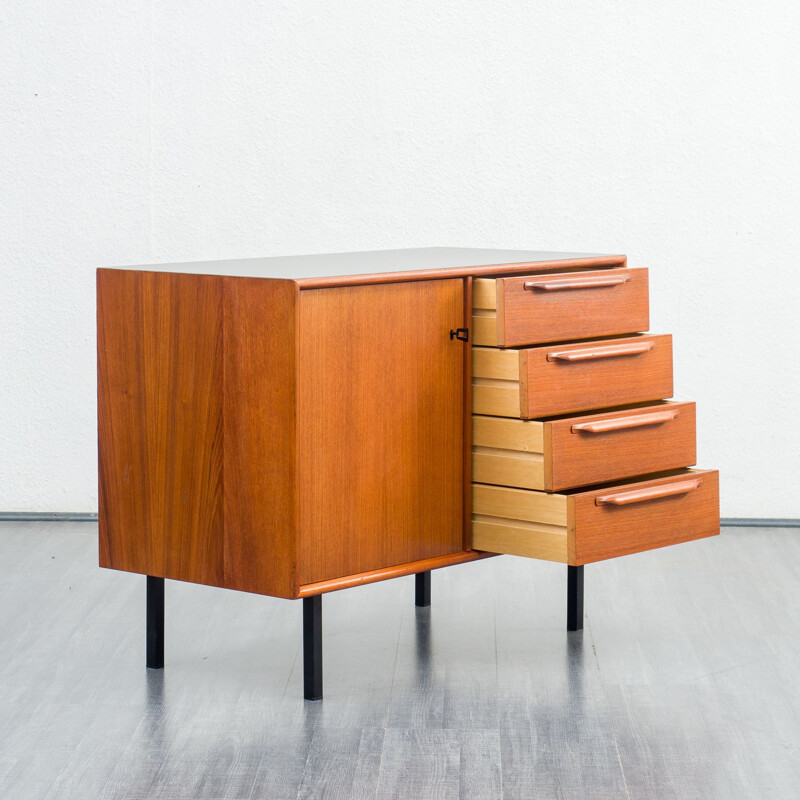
380, 426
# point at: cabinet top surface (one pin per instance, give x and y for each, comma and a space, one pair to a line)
319, 267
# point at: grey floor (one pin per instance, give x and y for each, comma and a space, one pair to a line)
684, 683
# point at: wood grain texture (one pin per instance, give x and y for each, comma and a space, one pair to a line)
484, 293
381, 426
495, 381
508, 434
529, 316
159, 341
196, 428
551, 455
484, 329
495, 364
518, 522
529, 523
518, 504
548, 388
508, 467
581, 458
484, 315
520, 539
260, 435
599, 532
500, 399
508, 452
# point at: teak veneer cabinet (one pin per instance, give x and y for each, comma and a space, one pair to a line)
293, 426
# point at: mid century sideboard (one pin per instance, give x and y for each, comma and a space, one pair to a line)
295, 426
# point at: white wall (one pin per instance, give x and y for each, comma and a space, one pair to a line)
180, 130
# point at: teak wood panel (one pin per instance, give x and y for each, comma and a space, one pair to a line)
552, 455
260, 435
598, 532
546, 308
661, 438
530, 383
380, 426
576, 529
549, 387
196, 477
160, 440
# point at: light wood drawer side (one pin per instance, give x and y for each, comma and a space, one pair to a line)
581, 527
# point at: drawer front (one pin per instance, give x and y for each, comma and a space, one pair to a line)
548, 308
578, 451
561, 379
644, 515
607, 447
582, 527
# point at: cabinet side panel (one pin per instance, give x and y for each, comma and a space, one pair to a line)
380, 426
260, 388
159, 339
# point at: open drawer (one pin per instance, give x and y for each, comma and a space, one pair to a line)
582, 526
566, 378
508, 312
566, 452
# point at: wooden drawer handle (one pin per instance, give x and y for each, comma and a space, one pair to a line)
589, 282
622, 423
609, 351
652, 493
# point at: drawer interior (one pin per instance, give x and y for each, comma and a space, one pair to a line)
585, 525
563, 452
573, 377
496, 382
484, 311
508, 452
520, 522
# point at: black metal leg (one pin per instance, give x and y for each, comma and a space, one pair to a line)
155, 622
312, 647
422, 589
574, 598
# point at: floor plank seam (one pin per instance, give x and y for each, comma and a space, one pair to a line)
608, 706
